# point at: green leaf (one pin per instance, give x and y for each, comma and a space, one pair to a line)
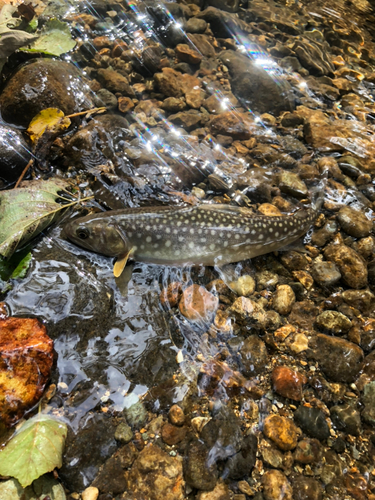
55, 39
26, 211
35, 449
14, 268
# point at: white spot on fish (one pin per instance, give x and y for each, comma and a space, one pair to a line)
191, 245
181, 238
212, 246
148, 239
191, 231
167, 230
168, 243
213, 233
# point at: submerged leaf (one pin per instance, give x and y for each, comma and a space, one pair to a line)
51, 119
12, 40
26, 211
35, 449
16, 266
55, 39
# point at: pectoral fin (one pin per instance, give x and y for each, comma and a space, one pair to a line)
120, 263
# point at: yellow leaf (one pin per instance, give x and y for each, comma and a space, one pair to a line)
51, 119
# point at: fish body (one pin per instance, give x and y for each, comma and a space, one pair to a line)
208, 234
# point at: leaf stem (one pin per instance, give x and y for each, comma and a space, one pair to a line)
91, 111
31, 162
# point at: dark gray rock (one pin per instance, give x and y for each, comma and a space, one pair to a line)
199, 472
347, 419
195, 25
105, 98
223, 24
368, 399
227, 5
325, 273
306, 488
338, 359
255, 87
313, 422
14, 154
241, 464
80, 466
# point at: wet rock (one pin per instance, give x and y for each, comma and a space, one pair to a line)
307, 488
354, 223
188, 120
43, 487
333, 322
90, 493
287, 382
203, 44
244, 286
281, 431
223, 24
198, 304
79, 467
125, 104
276, 486
254, 355
26, 357
155, 475
346, 418
172, 434
338, 359
241, 464
254, 87
313, 422
97, 142
290, 183
352, 268
308, 451
271, 455
195, 25
220, 492
325, 273
14, 154
294, 261
199, 472
322, 236
360, 299
123, 433
283, 299
332, 468
248, 310
226, 5
230, 124
115, 82
186, 54
176, 415
266, 280
303, 314
368, 399
170, 296
24, 97
105, 98
136, 414
313, 56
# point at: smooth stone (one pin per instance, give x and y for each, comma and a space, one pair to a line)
243, 286
354, 223
333, 322
252, 85
105, 98
313, 422
347, 419
197, 304
308, 451
176, 415
338, 359
307, 488
325, 273
63, 87
123, 433
287, 382
281, 431
195, 25
283, 299
276, 486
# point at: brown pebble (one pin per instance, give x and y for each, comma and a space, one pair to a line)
176, 415
118, 49
270, 210
170, 296
281, 431
308, 451
100, 42
171, 434
288, 383
197, 303
125, 104
187, 54
276, 486
283, 299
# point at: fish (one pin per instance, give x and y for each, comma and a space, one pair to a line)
207, 234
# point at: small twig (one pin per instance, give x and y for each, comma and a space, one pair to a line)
31, 162
88, 111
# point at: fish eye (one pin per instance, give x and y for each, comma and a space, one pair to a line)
83, 233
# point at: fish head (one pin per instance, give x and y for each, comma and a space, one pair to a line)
98, 234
